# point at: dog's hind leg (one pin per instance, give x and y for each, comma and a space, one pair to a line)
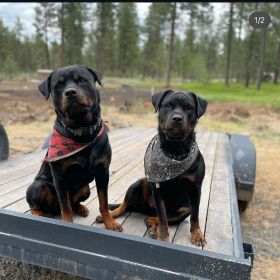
120, 210
82, 195
42, 199
136, 199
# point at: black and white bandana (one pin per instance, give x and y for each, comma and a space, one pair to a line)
160, 168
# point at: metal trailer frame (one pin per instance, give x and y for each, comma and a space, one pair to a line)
101, 254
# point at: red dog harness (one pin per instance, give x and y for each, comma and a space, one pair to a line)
61, 147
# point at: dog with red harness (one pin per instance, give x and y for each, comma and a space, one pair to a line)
79, 150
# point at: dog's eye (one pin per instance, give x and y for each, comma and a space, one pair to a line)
168, 105
82, 81
59, 85
187, 107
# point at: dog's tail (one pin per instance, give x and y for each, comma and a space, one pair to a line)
113, 206
181, 215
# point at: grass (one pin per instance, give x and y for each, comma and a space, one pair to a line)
269, 95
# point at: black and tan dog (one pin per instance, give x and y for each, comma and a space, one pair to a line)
79, 149
174, 169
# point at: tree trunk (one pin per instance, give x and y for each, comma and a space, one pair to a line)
46, 39
262, 58
47, 48
170, 47
240, 20
191, 34
229, 45
248, 59
62, 46
277, 67
249, 55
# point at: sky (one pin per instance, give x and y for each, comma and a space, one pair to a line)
25, 11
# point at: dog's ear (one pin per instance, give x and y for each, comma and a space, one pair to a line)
45, 87
96, 75
200, 105
158, 97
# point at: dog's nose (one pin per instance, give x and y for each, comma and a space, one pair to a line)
70, 92
177, 118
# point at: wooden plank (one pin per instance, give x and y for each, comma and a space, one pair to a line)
20, 162
218, 224
182, 235
121, 158
117, 191
122, 177
22, 206
24, 166
116, 188
209, 154
34, 158
120, 153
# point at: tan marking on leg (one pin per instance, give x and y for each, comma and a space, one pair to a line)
37, 212
197, 236
66, 212
114, 213
119, 211
108, 221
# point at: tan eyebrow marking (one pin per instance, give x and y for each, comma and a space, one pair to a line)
76, 76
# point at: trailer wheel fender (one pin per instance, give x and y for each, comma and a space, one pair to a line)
4, 144
243, 154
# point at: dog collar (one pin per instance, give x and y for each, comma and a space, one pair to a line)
83, 131
160, 168
62, 147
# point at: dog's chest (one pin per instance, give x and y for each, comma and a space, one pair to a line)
176, 193
79, 170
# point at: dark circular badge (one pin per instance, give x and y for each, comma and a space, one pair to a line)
259, 19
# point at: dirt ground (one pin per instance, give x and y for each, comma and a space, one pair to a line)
28, 119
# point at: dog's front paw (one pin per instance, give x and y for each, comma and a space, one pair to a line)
152, 227
198, 238
99, 219
67, 218
113, 225
152, 233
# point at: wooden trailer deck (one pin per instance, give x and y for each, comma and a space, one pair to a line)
218, 217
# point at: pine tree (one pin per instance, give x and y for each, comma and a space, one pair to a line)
128, 39
154, 56
169, 64
74, 19
198, 34
3, 41
44, 16
106, 45
229, 45
177, 56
